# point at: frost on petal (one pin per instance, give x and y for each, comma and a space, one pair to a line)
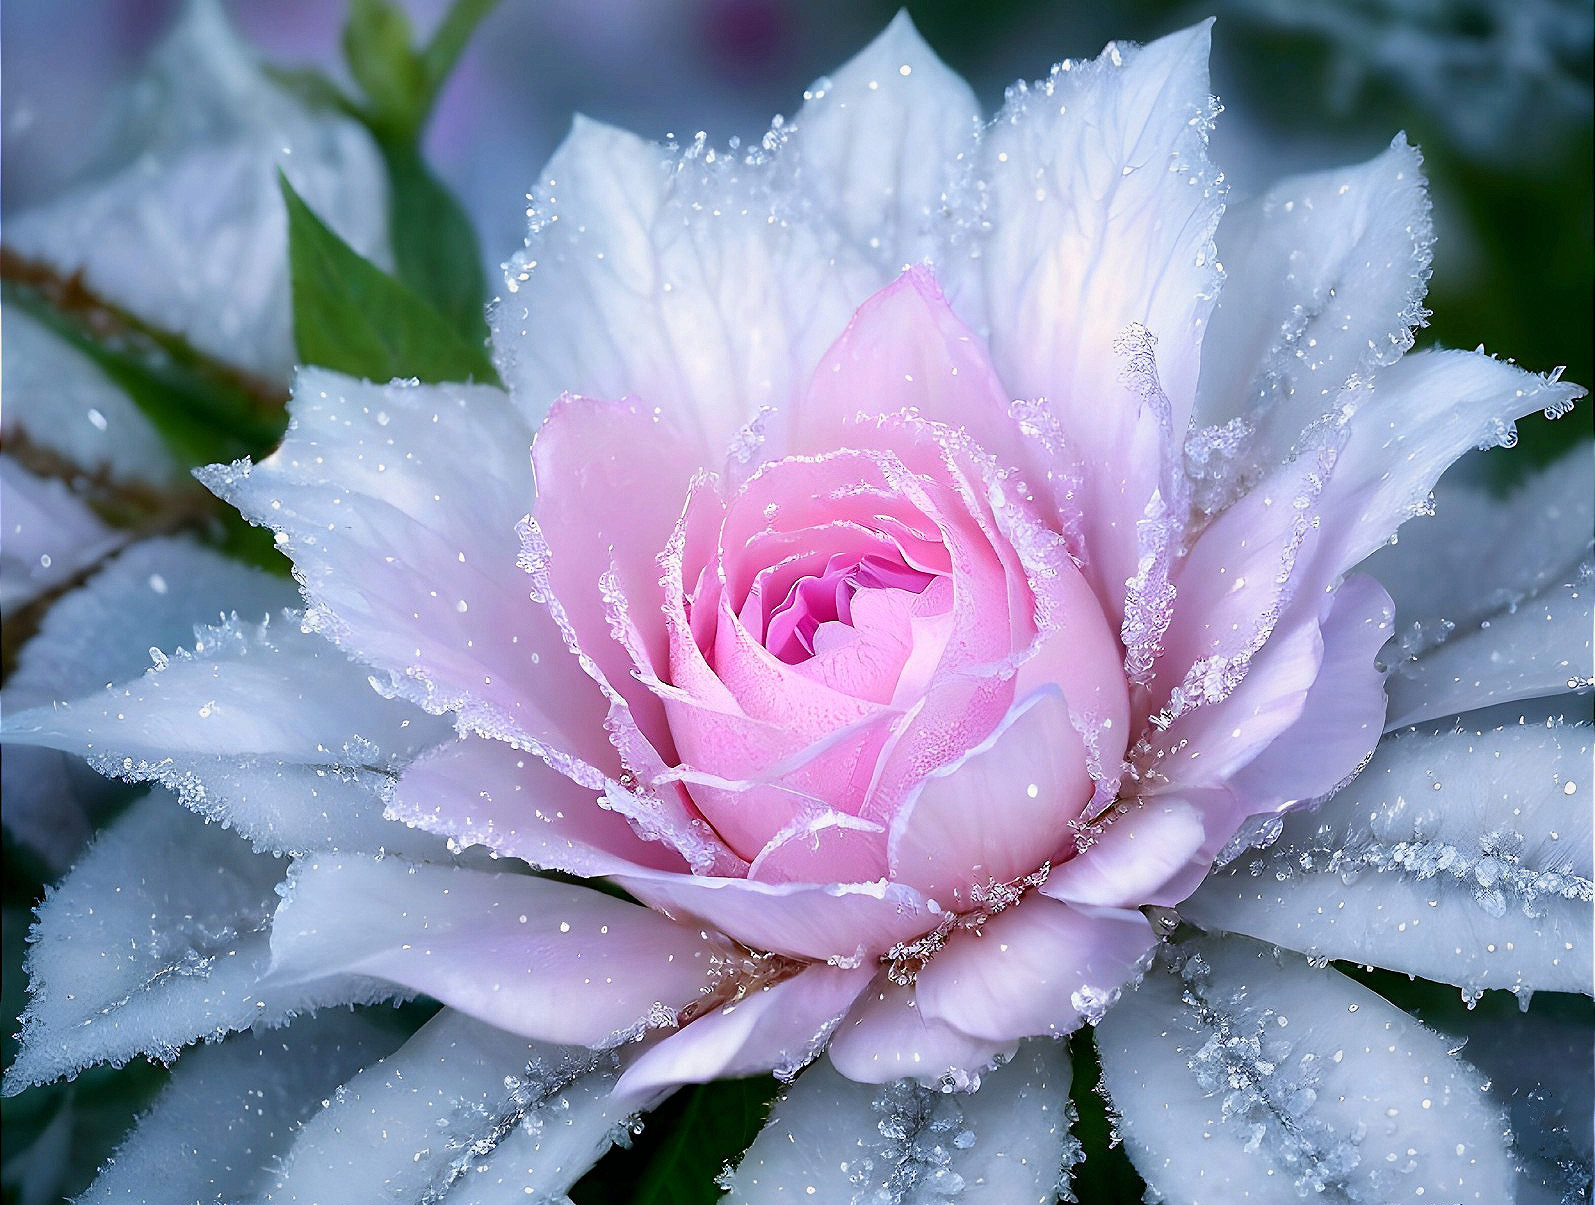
51, 535
1537, 647
259, 726
194, 189
882, 144
1101, 206
398, 505
548, 960
56, 397
830, 1139
693, 278
1324, 277
1242, 1074
232, 1109
1529, 540
157, 937
886, 1037
1463, 857
461, 1112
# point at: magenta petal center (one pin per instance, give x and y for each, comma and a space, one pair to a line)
814, 599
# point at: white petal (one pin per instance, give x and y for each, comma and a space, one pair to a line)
830, 1139
1324, 277
50, 533
1253, 1077
545, 959
57, 398
261, 727
462, 1112
1534, 648
1419, 416
1528, 539
682, 279
1462, 857
197, 195
398, 504
156, 938
230, 1111
881, 144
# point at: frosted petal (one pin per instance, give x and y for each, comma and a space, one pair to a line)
692, 280
1324, 277
259, 726
1433, 571
462, 1112
197, 193
158, 937
830, 1139
51, 536
56, 397
1463, 857
1242, 1074
398, 505
1537, 647
881, 144
512, 950
231, 1110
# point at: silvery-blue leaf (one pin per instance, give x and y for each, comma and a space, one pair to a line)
260, 726
157, 938
1241, 1073
831, 1139
461, 1113
231, 1111
1464, 857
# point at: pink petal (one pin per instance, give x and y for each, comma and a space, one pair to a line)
887, 1036
481, 792
1039, 968
831, 847
515, 951
998, 812
1141, 851
778, 1027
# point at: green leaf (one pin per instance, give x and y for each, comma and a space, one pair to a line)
448, 42
1106, 1173
376, 43
352, 317
435, 250
685, 1144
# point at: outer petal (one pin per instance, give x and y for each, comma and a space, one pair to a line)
155, 939
1470, 855
681, 277
1138, 854
1250, 1075
829, 1139
407, 552
461, 1109
1039, 969
780, 1027
1324, 277
510, 950
881, 144
1101, 207
887, 1037
998, 812
232, 1109
51, 536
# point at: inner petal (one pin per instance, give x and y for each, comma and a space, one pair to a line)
827, 597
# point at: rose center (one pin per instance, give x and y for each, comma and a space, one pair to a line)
812, 599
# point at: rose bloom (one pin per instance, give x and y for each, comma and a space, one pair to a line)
905, 564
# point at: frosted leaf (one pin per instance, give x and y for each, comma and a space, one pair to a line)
157, 937
51, 536
1241, 1074
54, 396
1324, 279
194, 189
231, 1109
259, 726
1470, 854
1529, 540
462, 1112
1002, 1143
1533, 648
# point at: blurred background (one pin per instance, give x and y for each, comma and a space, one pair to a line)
1497, 93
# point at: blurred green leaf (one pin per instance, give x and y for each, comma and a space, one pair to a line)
1106, 1174
376, 44
435, 251
685, 1144
352, 317
448, 42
